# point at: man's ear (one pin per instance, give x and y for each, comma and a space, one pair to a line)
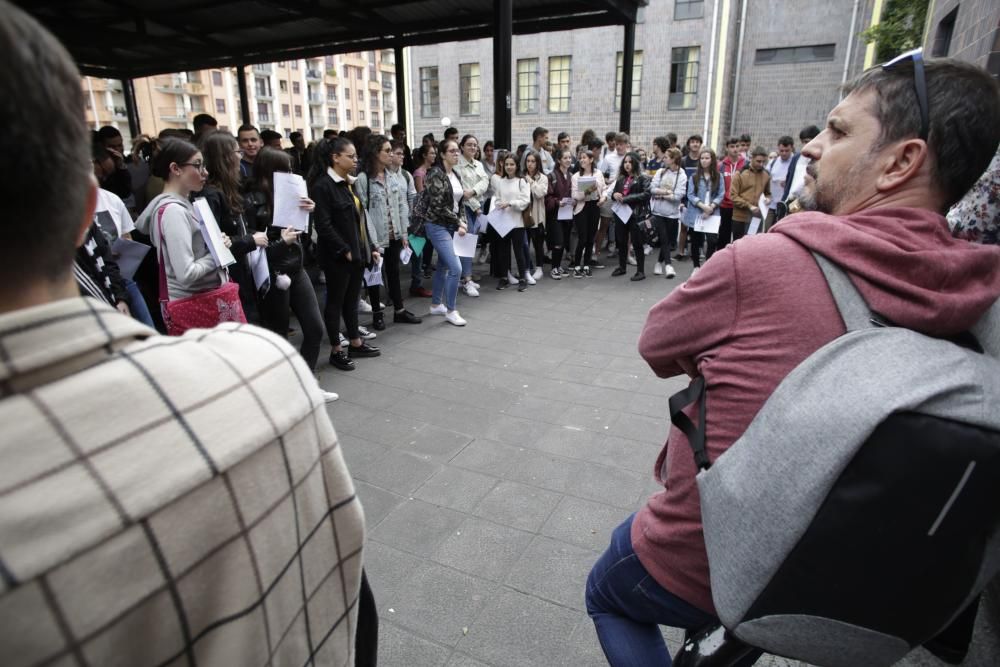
90, 206
901, 163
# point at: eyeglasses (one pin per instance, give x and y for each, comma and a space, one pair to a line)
199, 166
453, 151
919, 82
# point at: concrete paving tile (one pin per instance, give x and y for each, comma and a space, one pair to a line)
584, 646
580, 374
487, 456
437, 443
644, 429
537, 408
376, 502
439, 602
517, 629
511, 430
518, 505
611, 486
538, 469
617, 380
569, 441
359, 452
398, 647
483, 548
553, 570
417, 527
396, 471
461, 660
584, 523
389, 571
455, 488
648, 405
633, 365
627, 454
588, 417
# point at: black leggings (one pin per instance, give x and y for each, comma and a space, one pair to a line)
516, 238
621, 240
343, 288
586, 229
536, 236
666, 229
696, 238
299, 298
559, 235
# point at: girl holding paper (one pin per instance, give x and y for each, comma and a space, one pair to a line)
559, 203
630, 188
475, 182
705, 192
588, 193
538, 186
511, 194
444, 220
668, 187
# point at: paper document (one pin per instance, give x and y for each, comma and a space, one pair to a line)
259, 268
708, 224
565, 212
417, 243
503, 220
373, 276
129, 255
585, 182
212, 234
404, 255
481, 224
288, 191
622, 210
465, 246
753, 227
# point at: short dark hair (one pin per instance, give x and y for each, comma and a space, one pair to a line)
732, 141
672, 138
246, 127
562, 135
396, 127
269, 135
758, 150
609, 136
622, 138
451, 131
202, 121
171, 150
786, 141
538, 132
808, 133
963, 103
662, 143
746, 138
108, 132
694, 137
328, 133
295, 135
52, 173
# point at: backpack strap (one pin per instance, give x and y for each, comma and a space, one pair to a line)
852, 306
695, 434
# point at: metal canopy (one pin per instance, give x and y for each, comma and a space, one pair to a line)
125, 39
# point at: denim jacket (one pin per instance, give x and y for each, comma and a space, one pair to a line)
699, 191
384, 202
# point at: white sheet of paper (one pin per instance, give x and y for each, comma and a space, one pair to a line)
128, 255
288, 189
404, 255
373, 276
212, 234
622, 210
585, 182
762, 204
503, 220
481, 223
754, 226
259, 268
465, 246
708, 224
565, 212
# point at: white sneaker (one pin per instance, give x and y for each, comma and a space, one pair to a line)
343, 339
668, 271
364, 306
469, 289
474, 284
631, 260
453, 317
536, 274
529, 277
439, 309
329, 396
365, 334
658, 269
511, 279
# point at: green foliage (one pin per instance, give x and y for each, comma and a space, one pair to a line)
900, 29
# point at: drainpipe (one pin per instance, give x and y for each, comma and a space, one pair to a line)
739, 60
850, 45
711, 66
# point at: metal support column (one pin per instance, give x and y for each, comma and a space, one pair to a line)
401, 91
628, 57
241, 82
128, 90
503, 23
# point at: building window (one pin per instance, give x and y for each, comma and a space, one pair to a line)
347, 115
469, 89
220, 105
331, 94
559, 79
295, 64
263, 112
282, 64
636, 79
361, 116
361, 95
683, 77
942, 38
298, 111
795, 54
430, 101
375, 120
283, 85
285, 111
527, 85
263, 87
329, 62
688, 9
331, 115
296, 87
216, 78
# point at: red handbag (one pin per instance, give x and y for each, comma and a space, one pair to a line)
198, 311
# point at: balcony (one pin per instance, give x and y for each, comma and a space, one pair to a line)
314, 75
169, 84
316, 122
315, 99
195, 88
120, 113
114, 85
172, 114
388, 106
331, 72
386, 84
263, 95
264, 68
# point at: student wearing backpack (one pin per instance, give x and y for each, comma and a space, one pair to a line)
880, 220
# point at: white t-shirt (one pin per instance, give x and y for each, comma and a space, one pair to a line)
779, 177
456, 188
112, 216
611, 163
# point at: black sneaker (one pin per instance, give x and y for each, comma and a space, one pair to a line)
595, 264
405, 317
618, 272
378, 321
578, 272
341, 360
639, 275
522, 285
503, 284
364, 350
587, 273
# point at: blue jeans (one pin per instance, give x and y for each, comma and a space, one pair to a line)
628, 606
137, 305
449, 269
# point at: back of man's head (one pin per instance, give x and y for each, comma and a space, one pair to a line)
808, 133
204, 122
49, 186
963, 110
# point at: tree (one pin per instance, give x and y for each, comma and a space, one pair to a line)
900, 29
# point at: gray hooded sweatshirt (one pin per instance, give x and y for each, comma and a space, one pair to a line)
186, 260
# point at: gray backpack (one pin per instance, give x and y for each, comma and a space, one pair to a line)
858, 515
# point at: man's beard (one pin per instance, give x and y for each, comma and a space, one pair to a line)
812, 197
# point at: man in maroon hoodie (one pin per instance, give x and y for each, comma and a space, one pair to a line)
729, 166
881, 175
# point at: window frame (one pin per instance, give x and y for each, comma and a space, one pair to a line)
636, 80
796, 55
467, 106
690, 7
527, 86
560, 86
671, 93
430, 92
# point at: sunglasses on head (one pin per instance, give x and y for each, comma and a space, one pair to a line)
919, 82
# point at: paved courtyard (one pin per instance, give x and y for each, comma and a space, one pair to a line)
494, 461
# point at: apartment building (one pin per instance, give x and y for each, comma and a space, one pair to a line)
308, 96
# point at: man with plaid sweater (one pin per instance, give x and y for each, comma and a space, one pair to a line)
140, 522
